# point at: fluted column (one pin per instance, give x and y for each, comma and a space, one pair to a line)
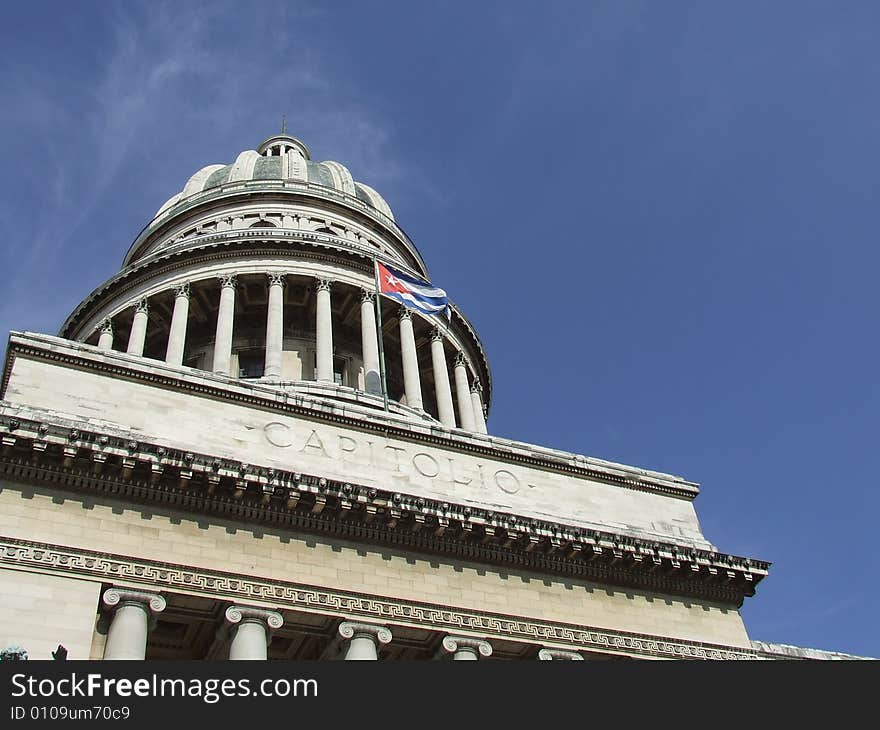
546, 655
225, 315
411, 381
441, 380
132, 614
252, 631
477, 402
364, 639
466, 648
274, 326
463, 394
138, 334
105, 339
177, 333
324, 332
370, 343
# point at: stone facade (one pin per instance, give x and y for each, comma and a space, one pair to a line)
235, 449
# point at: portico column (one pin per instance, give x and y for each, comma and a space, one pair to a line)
105, 339
225, 315
370, 343
138, 328
252, 629
364, 639
132, 614
441, 380
411, 381
324, 332
546, 655
463, 394
274, 326
477, 401
466, 648
177, 334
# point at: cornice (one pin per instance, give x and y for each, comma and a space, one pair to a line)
147, 473
154, 575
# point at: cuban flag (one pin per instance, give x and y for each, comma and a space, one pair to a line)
411, 292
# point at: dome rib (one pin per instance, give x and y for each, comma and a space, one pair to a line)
197, 182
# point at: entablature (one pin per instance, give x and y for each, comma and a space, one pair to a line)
92, 461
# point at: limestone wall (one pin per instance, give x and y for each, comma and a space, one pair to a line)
255, 435
39, 612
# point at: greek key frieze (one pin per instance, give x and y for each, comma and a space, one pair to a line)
22, 554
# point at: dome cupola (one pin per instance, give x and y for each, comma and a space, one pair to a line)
262, 271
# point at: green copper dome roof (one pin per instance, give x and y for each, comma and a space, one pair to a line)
280, 157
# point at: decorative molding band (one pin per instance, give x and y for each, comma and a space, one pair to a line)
61, 560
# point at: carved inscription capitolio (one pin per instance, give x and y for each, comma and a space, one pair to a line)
399, 460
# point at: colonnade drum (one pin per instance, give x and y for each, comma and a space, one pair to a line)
132, 617
263, 271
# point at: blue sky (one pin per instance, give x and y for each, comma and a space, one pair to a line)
661, 217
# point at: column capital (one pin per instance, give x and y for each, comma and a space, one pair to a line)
354, 629
106, 325
436, 334
454, 644
182, 290
276, 278
459, 360
556, 654
228, 280
142, 305
476, 387
323, 284
404, 313
238, 614
367, 296
152, 602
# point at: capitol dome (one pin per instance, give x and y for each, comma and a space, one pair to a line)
262, 271
280, 157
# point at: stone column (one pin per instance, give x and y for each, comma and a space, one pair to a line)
463, 394
138, 328
465, 648
477, 401
441, 380
252, 631
105, 339
225, 314
411, 381
274, 326
370, 343
324, 332
177, 334
546, 655
133, 611
364, 639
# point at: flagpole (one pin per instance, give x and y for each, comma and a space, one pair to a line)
380, 335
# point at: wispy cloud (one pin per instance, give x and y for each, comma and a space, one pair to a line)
175, 87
